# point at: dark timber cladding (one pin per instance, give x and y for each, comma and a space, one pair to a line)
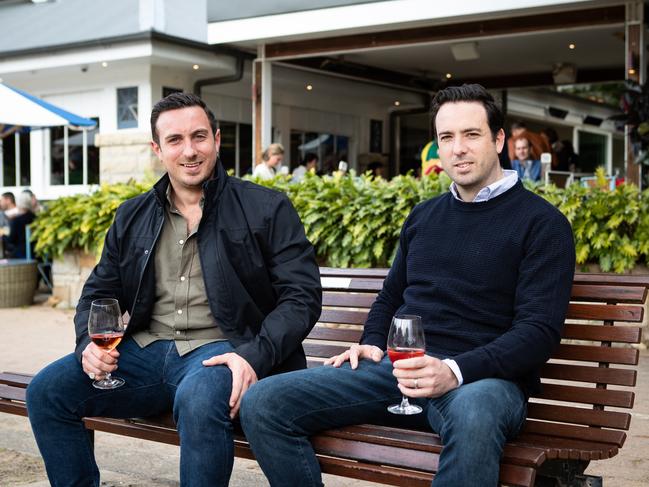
496, 27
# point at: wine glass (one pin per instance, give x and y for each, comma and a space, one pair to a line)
405, 340
106, 329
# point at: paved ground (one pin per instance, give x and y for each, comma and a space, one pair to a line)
34, 336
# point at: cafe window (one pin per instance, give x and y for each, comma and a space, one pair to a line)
593, 150
236, 147
330, 149
15, 169
127, 110
74, 156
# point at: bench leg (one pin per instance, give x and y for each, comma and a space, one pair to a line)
566, 473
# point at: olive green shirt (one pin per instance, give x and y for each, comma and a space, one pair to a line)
181, 311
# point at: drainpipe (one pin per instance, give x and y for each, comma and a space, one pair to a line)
231, 78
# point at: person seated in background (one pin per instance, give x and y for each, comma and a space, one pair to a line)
14, 242
376, 169
524, 165
271, 159
538, 143
8, 204
310, 164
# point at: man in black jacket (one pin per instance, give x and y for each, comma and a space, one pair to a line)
221, 286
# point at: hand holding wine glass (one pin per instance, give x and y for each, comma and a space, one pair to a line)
106, 329
405, 340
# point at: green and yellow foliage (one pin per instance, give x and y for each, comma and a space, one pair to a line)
354, 221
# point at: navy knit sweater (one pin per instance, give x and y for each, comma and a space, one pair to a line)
490, 280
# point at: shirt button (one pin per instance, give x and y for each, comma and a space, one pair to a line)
180, 311
146, 252
182, 278
181, 242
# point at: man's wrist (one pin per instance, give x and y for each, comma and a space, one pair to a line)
452, 364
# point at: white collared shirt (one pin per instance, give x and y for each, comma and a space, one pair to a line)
508, 181
494, 189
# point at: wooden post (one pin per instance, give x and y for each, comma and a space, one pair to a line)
257, 149
262, 97
635, 70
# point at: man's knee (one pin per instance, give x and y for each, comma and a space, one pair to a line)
204, 394
52, 385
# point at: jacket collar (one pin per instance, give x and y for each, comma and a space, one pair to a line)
212, 188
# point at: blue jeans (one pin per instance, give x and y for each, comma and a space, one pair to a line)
157, 380
474, 421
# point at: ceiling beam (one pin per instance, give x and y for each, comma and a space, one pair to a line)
545, 78
438, 33
407, 81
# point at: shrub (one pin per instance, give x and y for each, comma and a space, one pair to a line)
354, 221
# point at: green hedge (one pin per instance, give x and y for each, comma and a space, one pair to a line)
355, 221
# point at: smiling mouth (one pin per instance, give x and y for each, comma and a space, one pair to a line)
191, 165
463, 164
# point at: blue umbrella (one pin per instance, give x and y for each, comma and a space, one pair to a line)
20, 109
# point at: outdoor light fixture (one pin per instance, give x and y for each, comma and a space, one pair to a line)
397, 103
195, 67
449, 75
571, 46
309, 87
465, 51
104, 64
557, 112
590, 120
631, 71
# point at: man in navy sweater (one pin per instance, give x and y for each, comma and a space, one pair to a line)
489, 268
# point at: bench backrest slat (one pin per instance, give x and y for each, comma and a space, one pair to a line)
617, 294
583, 373
583, 311
589, 353
584, 416
598, 333
587, 395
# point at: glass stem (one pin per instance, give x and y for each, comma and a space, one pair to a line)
404, 402
108, 377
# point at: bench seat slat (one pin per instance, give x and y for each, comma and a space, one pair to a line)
583, 416
587, 395
600, 333
611, 279
611, 312
608, 294
15, 379
584, 373
568, 448
591, 353
12, 393
374, 272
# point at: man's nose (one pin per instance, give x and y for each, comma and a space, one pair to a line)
188, 149
459, 145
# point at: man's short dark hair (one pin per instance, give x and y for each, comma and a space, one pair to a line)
10, 196
175, 101
470, 93
310, 156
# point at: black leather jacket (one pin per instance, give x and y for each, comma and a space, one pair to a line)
261, 277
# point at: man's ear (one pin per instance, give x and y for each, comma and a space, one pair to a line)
500, 140
156, 148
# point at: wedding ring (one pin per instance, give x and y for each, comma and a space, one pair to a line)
416, 386
91, 375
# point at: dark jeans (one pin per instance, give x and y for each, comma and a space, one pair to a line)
157, 380
474, 421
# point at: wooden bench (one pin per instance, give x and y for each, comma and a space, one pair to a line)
569, 424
